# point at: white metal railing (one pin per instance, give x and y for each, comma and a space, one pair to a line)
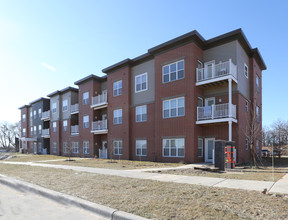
216, 70
99, 125
45, 132
215, 112
100, 99
75, 129
45, 115
74, 108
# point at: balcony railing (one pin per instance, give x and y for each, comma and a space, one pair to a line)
99, 126
215, 112
74, 129
46, 132
75, 109
99, 101
214, 71
46, 115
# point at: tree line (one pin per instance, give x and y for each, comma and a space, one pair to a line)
8, 134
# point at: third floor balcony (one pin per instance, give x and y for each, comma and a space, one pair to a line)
99, 101
46, 133
216, 72
74, 109
46, 116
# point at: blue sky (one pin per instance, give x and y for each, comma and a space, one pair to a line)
48, 45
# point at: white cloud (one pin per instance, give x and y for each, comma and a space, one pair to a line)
47, 66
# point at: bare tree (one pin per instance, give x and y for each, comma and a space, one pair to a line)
279, 136
8, 134
253, 131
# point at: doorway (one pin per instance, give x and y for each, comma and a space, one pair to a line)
209, 150
103, 151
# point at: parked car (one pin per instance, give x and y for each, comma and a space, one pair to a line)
265, 153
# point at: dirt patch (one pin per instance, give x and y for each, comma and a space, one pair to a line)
249, 175
153, 199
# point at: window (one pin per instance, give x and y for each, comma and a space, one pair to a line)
86, 121
141, 147
34, 113
65, 125
141, 82
257, 113
246, 106
75, 147
173, 147
31, 130
200, 147
85, 98
86, 147
54, 108
40, 112
174, 107
141, 113
117, 88
35, 130
173, 71
24, 132
23, 117
246, 143
65, 105
117, 147
246, 70
200, 102
117, 116
65, 147
54, 126
257, 84
40, 129
54, 147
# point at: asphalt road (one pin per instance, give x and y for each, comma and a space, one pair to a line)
23, 205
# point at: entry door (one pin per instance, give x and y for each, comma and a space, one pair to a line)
209, 69
210, 101
103, 153
209, 150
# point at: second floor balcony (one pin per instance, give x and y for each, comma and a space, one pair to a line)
216, 72
75, 130
46, 116
99, 127
74, 109
46, 133
99, 101
216, 113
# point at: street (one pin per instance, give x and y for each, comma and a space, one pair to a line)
16, 205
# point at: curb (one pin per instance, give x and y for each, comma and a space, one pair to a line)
65, 199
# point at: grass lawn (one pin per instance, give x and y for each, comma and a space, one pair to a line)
153, 199
115, 164
34, 158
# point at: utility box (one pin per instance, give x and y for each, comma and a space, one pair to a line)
224, 154
219, 154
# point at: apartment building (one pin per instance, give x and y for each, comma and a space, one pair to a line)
32, 127
169, 104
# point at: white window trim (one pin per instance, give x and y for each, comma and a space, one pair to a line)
118, 121
118, 141
84, 99
141, 148
247, 76
54, 147
86, 122
65, 147
169, 100
75, 145
118, 82
65, 124
201, 147
141, 106
170, 72
86, 149
164, 139
257, 84
66, 109
200, 98
54, 128
140, 76
54, 103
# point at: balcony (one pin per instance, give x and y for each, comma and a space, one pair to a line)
216, 72
99, 101
75, 130
46, 133
99, 127
46, 116
74, 109
216, 113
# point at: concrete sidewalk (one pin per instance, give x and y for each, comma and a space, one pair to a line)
279, 187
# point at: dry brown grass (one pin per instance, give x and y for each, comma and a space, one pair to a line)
115, 164
34, 158
251, 175
157, 200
